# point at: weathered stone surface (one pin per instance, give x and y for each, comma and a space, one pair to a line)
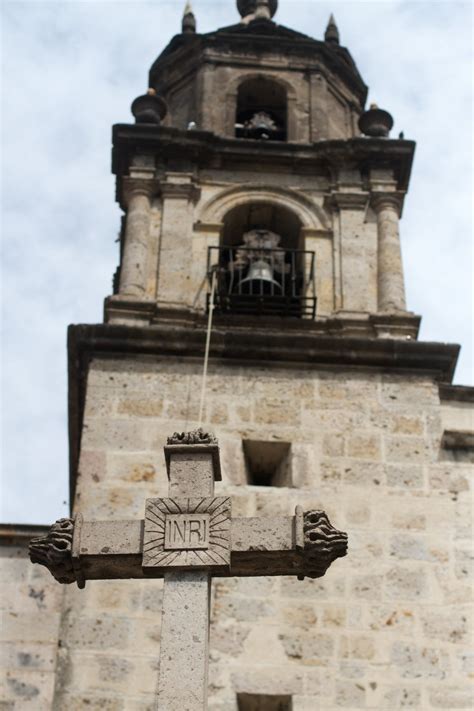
408, 504
54, 550
414, 662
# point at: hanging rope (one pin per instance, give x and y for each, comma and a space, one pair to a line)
206, 352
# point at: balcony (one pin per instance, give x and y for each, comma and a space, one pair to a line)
262, 281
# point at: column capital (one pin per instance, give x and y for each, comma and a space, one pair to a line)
351, 200
180, 186
138, 186
381, 200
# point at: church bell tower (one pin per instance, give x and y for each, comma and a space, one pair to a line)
261, 167
260, 294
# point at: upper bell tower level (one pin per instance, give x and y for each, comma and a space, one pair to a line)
252, 159
257, 77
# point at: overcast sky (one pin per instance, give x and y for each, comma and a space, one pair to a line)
71, 69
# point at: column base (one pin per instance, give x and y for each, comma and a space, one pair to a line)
401, 324
360, 324
129, 310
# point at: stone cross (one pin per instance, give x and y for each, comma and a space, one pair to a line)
187, 539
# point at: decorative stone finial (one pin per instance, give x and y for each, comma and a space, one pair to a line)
188, 25
149, 108
55, 551
195, 437
253, 9
376, 122
318, 541
331, 36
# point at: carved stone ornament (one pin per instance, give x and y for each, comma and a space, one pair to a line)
55, 551
318, 541
187, 533
195, 437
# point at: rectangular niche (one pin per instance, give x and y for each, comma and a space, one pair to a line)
263, 702
267, 463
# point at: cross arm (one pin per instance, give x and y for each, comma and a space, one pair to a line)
303, 545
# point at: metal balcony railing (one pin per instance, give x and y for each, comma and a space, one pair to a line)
278, 282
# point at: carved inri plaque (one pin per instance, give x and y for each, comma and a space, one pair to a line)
187, 533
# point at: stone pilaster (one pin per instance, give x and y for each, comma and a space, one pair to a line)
318, 103
179, 193
133, 272
390, 282
354, 251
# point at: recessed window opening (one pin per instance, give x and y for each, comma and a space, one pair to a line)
264, 702
267, 463
457, 446
261, 110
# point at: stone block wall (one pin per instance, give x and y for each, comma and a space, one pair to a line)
30, 616
388, 627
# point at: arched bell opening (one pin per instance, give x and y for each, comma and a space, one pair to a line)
261, 265
262, 215
261, 110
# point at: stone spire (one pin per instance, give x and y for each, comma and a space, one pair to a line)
331, 36
188, 26
257, 9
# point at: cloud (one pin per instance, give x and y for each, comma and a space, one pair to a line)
71, 70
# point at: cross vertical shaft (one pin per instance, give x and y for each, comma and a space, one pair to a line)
183, 668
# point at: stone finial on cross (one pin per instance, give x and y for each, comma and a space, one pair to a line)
188, 538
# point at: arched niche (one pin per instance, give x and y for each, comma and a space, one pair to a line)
262, 109
311, 215
261, 215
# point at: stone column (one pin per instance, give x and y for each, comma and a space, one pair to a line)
134, 266
391, 287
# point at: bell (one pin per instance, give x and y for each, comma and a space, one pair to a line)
259, 279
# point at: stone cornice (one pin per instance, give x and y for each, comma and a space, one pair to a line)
456, 393
231, 43
199, 149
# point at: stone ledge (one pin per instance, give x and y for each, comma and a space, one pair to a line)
264, 345
456, 393
295, 349
120, 310
201, 148
17, 534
